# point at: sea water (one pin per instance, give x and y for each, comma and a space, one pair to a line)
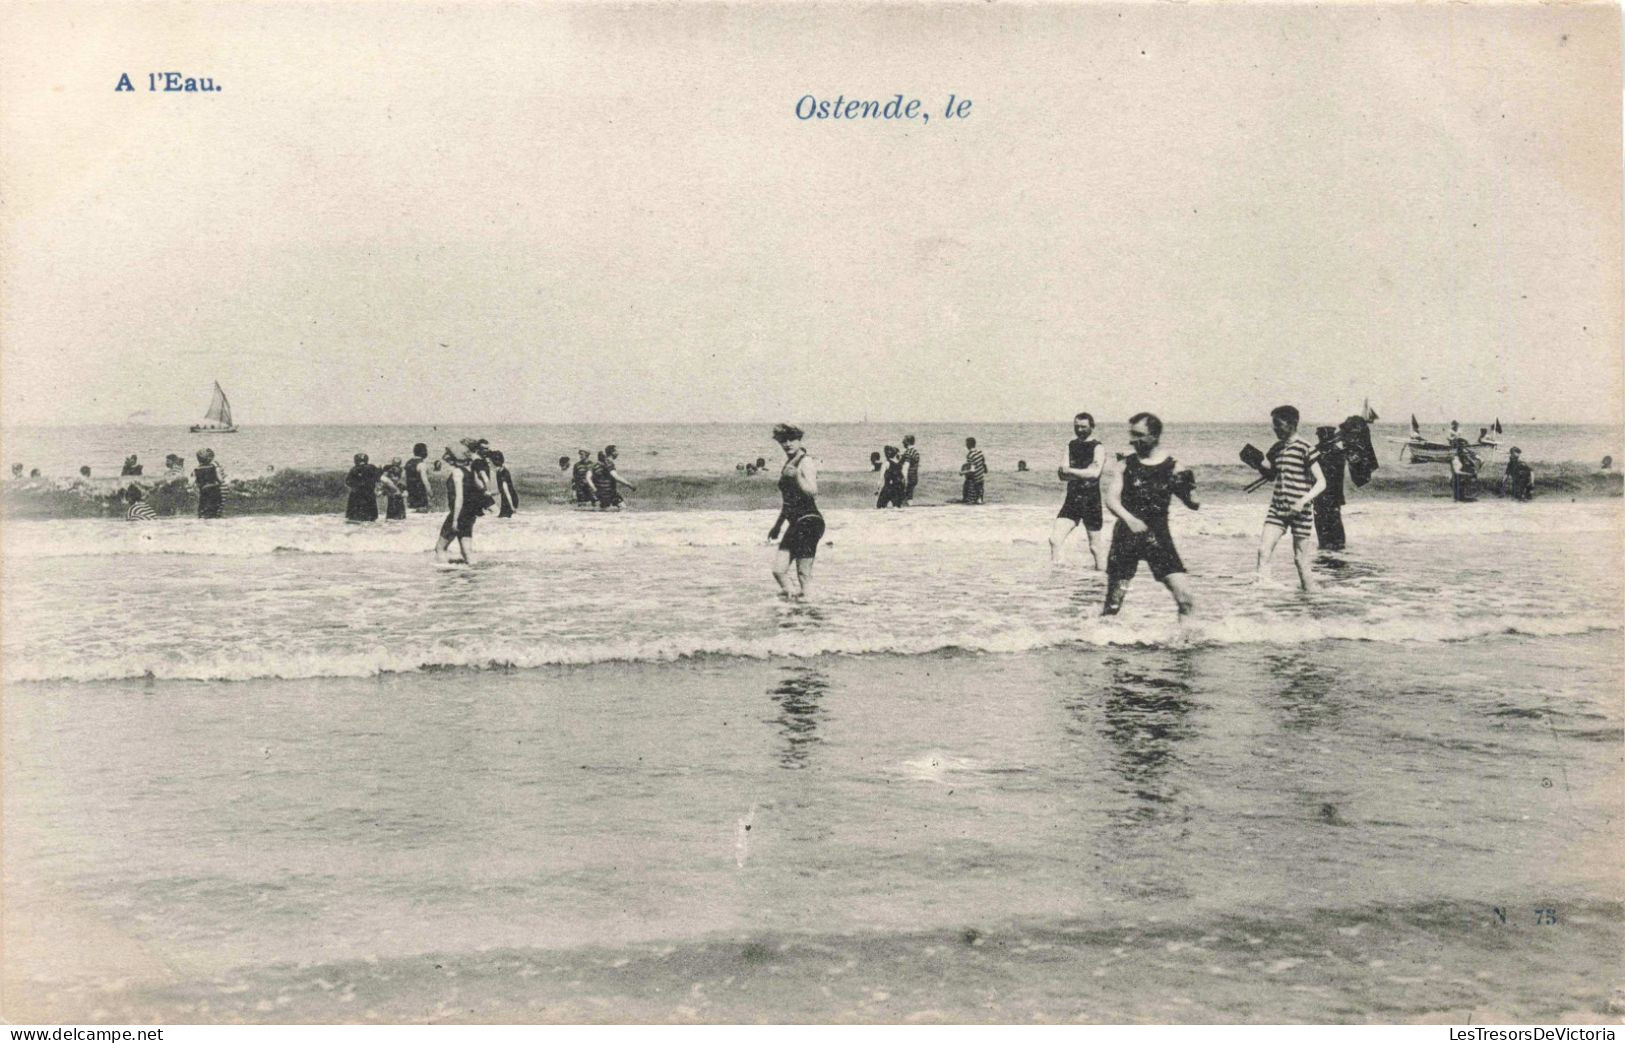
606, 773
711, 448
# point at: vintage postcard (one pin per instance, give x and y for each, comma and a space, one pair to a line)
828, 512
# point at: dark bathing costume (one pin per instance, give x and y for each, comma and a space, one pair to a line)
506, 493
1145, 493
892, 491
461, 524
208, 491
417, 491
394, 503
805, 524
363, 503
1082, 502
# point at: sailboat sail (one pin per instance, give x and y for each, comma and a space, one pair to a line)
219, 409
1368, 413
218, 418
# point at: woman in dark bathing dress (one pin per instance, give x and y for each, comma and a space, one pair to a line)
362, 481
798, 485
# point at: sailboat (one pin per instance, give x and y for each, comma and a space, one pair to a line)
218, 419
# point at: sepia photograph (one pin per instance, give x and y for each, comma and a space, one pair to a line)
869, 512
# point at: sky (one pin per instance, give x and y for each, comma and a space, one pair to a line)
514, 213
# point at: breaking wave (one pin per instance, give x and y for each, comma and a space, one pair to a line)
244, 664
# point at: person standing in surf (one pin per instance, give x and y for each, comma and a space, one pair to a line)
210, 483
911, 469
1085, 460
892, 489
975, 471
607, 481
362, 481
798, 486
465, 499
581, 479
418, 498
1298, 480
1137, 490
507, 495
393, 485
1329, 533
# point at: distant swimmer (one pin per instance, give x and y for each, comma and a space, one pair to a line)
464, 500
140, 510
1137, 491
892, 489
362, 481
132, 467
975, 471
798, 485
208, 477
418, 498
875, 463
1298, 481
507, 495
911, 468
16, 470
581, 479
1085, 461
393, 485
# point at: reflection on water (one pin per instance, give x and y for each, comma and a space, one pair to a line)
1148, 702
1304, 688
799, 615
799, 695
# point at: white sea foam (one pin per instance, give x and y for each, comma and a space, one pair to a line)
541, 536
239, 663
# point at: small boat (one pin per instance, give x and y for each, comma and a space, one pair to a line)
217, 421
1422, 451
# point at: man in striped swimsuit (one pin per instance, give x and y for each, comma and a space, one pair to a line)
1298, 480
975, 470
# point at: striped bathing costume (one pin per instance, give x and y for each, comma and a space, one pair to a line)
1292, 460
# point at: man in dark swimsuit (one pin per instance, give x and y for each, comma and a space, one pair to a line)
798, 486
507, 495
1329, 504
465, 499
417, 489
1081, 472
1138, 489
